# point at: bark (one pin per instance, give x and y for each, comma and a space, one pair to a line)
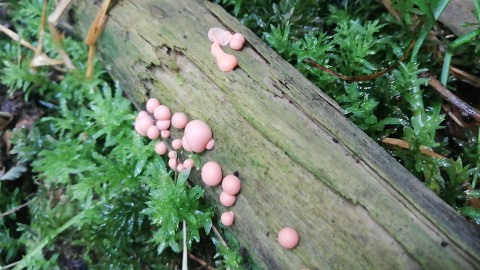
302, 163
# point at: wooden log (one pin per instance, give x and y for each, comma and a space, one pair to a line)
302, 163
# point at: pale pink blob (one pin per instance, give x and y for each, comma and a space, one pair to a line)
220, 36
140, 131
143, 123
172, 163
211, 173
185, 145
231, 184
227, 218
210, 144
179, 120
189, 163
153, 132
172, 154
152, 104
288, 238
237, 41
162, 112
177, 144
225, 62
197, 135
165, 134
163, 124
142, 114
160, 148
227, 199
180, 167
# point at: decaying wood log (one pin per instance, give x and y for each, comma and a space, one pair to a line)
302, 163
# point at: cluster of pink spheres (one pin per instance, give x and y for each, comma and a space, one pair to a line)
220, 37
197, 135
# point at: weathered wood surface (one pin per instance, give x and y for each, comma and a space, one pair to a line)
302, 163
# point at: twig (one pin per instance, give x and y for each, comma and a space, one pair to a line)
16, 208
39, 48
465, 76
93, 33
454, 100
219, 236
200, 261
14, 36
56, 36
185, 252
8, 266
404, 144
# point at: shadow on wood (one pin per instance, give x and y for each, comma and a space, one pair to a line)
302, 163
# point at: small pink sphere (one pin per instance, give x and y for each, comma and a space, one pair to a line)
211, 173
152, 104
189, 163
144, 123
288, 238
142, 114
162, 112
185, 145
140, 131
231, 184
160, 148
210, 144
197, 135
172, 163
177, 144
227, 199
226, 62
237, 41
179, 120
163, 124
165, 134
153, 133
180, 167
227, 218
172, 154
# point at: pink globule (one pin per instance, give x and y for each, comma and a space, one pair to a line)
172, 163
220, 36
142, 114
211, 173
288, 238
162, 112
163, 124
165, 134
189, 163
144, 122
231, 184
172, 154
153, 133
210, 144
160, 148
177, 144
180, 167
140, 131
237, 41
185, 145
225, 62
227, 218
179, 120
197, 135
227, 199
152, 103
